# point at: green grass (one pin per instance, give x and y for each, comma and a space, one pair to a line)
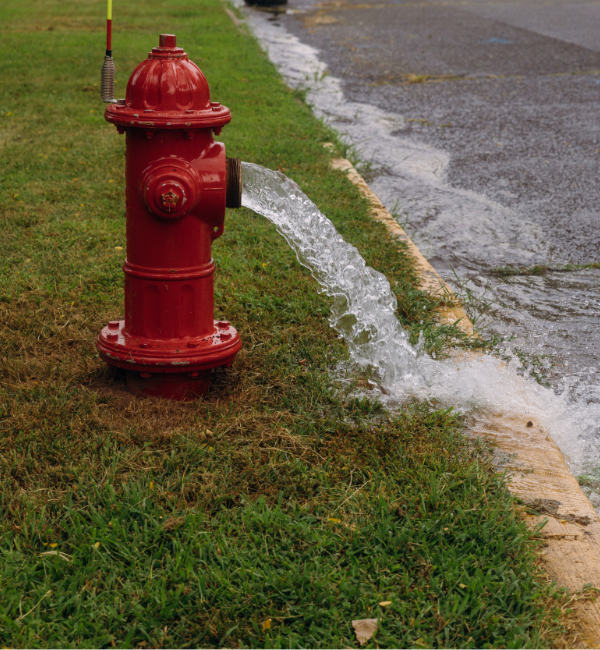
543, 269
278, 496
379, 514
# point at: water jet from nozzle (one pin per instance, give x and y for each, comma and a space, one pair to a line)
107, 75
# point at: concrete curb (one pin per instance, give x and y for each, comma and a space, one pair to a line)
539, 474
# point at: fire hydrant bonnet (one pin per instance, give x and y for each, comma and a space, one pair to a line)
168, 91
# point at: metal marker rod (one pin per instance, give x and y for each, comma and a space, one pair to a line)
109, 28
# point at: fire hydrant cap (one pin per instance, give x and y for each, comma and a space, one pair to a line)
168, 91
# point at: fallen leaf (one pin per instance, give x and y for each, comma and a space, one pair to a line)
152, 485
385, 603
54, 545
333, 520
118, 248
364, 629
462, 586
97, 545
266, 625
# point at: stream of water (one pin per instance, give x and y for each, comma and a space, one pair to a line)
364, 306
363, 313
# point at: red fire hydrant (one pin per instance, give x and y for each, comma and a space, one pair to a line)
178, 183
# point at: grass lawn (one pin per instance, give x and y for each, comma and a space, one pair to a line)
278, 509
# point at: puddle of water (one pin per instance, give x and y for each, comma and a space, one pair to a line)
462, 230
535, 312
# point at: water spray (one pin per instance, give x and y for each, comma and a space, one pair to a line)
107, 77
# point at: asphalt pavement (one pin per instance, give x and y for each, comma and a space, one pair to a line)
510, 90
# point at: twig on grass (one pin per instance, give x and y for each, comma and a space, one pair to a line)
348, 499
34, 607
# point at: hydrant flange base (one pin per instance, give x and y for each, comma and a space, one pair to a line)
167, 356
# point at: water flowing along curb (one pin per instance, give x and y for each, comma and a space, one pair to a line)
539, 474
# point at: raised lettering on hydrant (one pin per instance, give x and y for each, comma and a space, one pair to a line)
178, 183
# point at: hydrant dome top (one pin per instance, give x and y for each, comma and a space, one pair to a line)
167, 90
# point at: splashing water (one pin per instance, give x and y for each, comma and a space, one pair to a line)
363, 312
364, 306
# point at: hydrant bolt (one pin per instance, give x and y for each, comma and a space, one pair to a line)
178, 184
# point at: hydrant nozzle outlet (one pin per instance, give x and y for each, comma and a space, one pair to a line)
234, 183
178, 184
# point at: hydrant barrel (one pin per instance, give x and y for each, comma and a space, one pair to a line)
177, 188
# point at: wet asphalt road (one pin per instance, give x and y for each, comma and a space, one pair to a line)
510, 90
488, 114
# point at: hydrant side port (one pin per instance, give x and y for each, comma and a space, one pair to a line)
234, 183
178, 184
